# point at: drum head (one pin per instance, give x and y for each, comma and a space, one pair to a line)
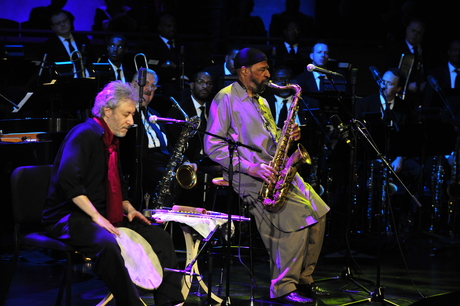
142, 263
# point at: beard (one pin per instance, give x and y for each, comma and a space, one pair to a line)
258, 87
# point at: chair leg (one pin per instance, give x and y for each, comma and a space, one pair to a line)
66, 283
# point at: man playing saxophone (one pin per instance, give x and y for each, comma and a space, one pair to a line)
293, 235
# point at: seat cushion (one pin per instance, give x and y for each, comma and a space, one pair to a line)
42, 240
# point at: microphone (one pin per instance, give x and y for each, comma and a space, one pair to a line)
311, 68
142, 77
433, 82
341, 129
154, 119
42, 65
376, 75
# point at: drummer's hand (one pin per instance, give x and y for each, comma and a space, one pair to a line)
136, 214
104, 223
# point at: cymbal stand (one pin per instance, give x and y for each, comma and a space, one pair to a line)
378, 295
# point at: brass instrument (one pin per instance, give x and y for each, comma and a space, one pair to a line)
406, 64
273, 196
145, 60
185, 174
80, 73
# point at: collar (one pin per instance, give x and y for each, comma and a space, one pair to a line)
63, 39
279, 99
451, 68
226, 71
115, 68
197, 104
296, 45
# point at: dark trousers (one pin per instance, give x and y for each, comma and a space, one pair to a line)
95, 242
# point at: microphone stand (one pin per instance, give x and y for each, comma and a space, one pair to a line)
377, 295
11, 102
232, 147
141, 81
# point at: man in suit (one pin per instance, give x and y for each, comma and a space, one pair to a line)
117, 47
146, 166
412, 49
291, 52
196, 104
223, 74
170, 58
60, 47
447, 79
395, 113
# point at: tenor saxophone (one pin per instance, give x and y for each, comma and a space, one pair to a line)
273, 195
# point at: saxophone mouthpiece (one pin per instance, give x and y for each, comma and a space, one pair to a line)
273, 85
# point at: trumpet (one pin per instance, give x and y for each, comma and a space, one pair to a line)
145, 60
80, 73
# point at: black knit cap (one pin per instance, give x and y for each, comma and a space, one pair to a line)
248, 57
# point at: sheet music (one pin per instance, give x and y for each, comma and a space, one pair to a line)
23, 101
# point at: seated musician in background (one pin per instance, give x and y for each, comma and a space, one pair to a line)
61, 47
196, 104
146, 165
399, 114
223, 74
87, 200
117, 47
294, 234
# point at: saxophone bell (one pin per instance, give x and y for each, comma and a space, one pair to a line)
186, 176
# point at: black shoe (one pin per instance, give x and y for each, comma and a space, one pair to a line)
312, 290
296, 298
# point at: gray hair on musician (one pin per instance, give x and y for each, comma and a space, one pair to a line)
149, 71
112, 94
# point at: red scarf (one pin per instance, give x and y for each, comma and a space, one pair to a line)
114, 197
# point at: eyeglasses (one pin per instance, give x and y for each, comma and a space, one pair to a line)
63, 22
151, 86
203, 82
119, 47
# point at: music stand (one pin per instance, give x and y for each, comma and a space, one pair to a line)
103, 73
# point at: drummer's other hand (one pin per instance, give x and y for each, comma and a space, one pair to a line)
136, 214
104, 223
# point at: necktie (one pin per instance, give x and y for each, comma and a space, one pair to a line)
157, 131
457, 79
291, 51
71, 48
283, 114
119, 74
203, 117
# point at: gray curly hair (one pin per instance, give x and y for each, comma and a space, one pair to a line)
112, 94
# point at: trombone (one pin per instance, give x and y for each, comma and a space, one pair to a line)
145, 60
80, 73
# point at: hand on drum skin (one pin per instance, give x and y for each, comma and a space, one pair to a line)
264, 172
136, 214
295, 132
104, 223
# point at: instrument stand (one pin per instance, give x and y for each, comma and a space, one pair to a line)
347, 271
378, 294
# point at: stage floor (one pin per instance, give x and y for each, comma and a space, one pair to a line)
413, 271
